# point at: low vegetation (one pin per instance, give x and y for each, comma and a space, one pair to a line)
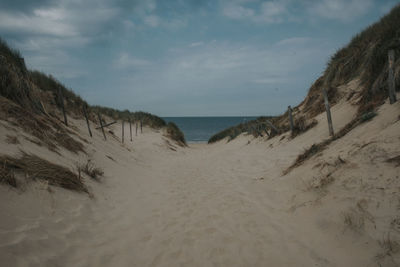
31, 90
175, 133
7, 175
12, 140
365, 57
34, 167
319, 147
257, 127
47, 130
91, 170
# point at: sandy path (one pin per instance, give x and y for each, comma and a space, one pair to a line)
198, 206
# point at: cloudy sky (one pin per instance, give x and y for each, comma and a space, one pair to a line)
186, 57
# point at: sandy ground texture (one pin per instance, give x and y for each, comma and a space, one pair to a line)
226, 204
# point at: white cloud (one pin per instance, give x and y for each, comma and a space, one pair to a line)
236, 11
226, 65
343, 10
125, 60
272, 11
278, 11
265, 12
294, 41
129, 25
43, 23
196, 44
151, 20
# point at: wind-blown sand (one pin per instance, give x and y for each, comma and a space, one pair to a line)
213, 205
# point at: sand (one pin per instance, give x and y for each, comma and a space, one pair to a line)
225, 204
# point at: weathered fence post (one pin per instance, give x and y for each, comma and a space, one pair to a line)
136, 127
123, 131
130, 128
61, 99
106, 125
272, 126
328, 112
141, 126
87, 120
291, 119
101, 126
392, 85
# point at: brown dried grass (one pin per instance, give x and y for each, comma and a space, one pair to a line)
7, 176
395, 160
12, 140
46, 129
316, 148
91, 170
35, 167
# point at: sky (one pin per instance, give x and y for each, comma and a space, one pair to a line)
186, 57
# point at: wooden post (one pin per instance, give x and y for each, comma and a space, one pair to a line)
136, 127
272, 126
123, 131
130, 128
106, 125
141, 126
328, 112
101, 126
61, 99
392, 85
291, 119
87, 120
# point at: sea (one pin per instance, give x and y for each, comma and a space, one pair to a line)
200, 129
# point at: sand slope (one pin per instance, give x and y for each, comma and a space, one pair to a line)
214, 205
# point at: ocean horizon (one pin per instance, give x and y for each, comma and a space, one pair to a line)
200, 129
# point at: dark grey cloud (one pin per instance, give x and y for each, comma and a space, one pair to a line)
184, 57
24, 6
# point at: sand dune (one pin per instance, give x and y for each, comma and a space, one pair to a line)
213, 205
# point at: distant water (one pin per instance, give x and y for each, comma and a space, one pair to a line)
200, 129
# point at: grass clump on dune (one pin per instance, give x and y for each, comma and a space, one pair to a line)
257, 127
47, 130
32, 100
91, 170
12, 55
366, 56
7, 176
35, 167
175, 133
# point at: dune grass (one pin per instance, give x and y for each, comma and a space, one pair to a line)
47, 130
91, 170
29, 89
365, 57
35, 167
257, 127
175, 133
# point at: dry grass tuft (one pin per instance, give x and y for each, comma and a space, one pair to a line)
307, 154
315, 148
37, 168
12, 140
354, 219
90, 169
302, 126
395, 160
46, 129
389, 246
7, 176
176, 134
321, 182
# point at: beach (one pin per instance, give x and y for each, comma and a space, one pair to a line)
225, 204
